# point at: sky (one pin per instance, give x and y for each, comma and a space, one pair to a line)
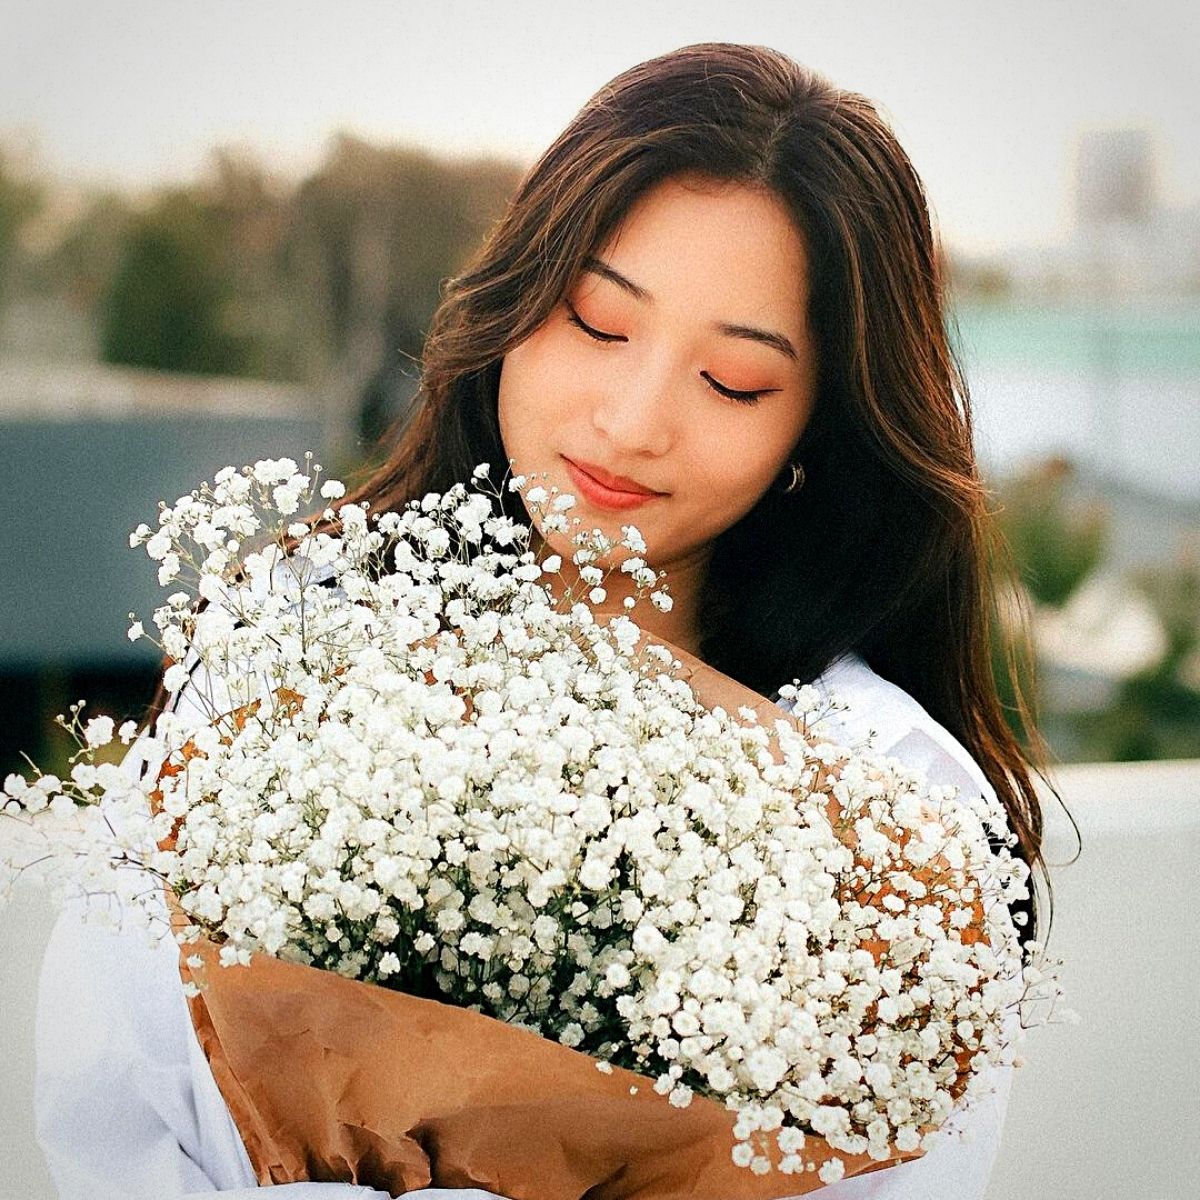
988, 98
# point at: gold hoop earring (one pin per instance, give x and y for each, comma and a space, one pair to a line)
797, 481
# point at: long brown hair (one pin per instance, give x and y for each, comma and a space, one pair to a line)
890, 548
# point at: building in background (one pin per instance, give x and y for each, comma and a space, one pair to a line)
1126, 241
89, 451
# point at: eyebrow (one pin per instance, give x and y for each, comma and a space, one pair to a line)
766, 337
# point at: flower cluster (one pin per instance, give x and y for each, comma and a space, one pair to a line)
416, 765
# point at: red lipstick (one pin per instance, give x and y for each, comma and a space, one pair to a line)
608, 491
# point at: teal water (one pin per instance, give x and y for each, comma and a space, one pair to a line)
1144, 338
1115, 388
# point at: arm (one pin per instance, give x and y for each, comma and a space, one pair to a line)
959, 1164
126, 1107
954, 1168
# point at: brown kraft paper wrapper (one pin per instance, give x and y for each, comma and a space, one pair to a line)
335, 1080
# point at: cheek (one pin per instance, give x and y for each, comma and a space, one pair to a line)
528, 376
540, 394
739, 461
513, 401
526, 408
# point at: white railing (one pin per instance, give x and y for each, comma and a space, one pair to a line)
1104, 1110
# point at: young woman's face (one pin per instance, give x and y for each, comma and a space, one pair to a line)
680, 359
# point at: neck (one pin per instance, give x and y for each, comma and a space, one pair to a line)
684, 576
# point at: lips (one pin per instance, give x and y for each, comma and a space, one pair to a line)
615, 483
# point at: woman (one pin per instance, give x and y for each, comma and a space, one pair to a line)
717, 293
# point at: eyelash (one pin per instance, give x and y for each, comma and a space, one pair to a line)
719, 388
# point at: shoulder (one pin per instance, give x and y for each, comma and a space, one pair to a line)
874, 712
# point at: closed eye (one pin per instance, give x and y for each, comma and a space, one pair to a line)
743, 397
576, 320
608, 338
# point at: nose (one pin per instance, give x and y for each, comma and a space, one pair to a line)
635, 413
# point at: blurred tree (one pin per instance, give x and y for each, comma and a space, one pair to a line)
166, 306
250, 210
80, 265
21, 198
330, 281
1056, 539
375, 232
1174, 590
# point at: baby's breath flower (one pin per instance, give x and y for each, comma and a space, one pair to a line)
268, 471
832, 1170
432, 772
98, 732
174, 677
158, 545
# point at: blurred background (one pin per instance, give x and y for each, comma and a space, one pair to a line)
223, 229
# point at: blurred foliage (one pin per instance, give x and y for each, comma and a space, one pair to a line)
21, 199
1058, 537
329, 280
81, 263
381, 227
1174, 590
166, 302
375, 233
1156, 712
1057, 540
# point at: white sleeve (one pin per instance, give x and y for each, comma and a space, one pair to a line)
125, 1104
126, 1107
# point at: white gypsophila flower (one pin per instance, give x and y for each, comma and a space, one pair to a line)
268, 471
287, 499
159, 544
99, 732
169, 570
175, 677
432, 771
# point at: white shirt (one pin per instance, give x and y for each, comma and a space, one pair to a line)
127, 1109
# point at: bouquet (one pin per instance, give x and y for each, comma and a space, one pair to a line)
534, 901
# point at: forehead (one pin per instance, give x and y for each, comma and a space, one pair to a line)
727, 248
